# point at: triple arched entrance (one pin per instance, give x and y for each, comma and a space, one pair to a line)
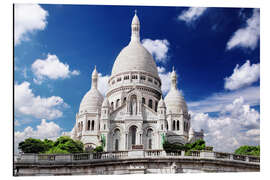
125, 141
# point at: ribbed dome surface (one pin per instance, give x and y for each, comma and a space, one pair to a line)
91, 101
134, 57
175, 102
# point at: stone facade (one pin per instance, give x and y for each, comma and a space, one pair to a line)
133, 111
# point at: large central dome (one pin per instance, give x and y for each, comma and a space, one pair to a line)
134, 57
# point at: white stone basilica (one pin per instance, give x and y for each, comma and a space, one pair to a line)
133, 113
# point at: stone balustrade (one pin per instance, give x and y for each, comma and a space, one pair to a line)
60, 158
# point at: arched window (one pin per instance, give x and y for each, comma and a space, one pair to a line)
112, 105
156, 104
104, 126
173, 128
88, 125
125, 99
150, 104
149, 132
161, 126
93, 125
116, 145
178, 125
167, 125
132, 134
143, 100
150, 144
116, 139
117, 102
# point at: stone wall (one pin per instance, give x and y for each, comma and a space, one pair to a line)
133, 162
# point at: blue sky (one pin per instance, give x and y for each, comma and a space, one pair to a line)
215, 51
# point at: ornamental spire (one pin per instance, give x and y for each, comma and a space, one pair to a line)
135, 28
94, 78
173, 79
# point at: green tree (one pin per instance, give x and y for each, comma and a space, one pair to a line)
248, 150
31, 145
66, 144
48, 144
197, 145
56, 150
62, 145
98, 149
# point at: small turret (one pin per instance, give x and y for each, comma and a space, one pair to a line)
94, 78
135, 28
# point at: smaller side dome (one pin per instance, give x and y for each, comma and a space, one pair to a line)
161, 103
105, 103
174, 100
93, 99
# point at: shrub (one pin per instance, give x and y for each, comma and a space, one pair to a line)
248, 150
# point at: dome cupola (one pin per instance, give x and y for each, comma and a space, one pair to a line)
174, 100
135, 57
93, 99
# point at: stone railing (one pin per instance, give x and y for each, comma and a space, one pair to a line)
58, 158
153, 153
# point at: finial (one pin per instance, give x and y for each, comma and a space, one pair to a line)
173, 68
135, 11
95, 67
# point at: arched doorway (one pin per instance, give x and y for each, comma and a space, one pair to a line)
132, 136
149, 136
116, 145
116, 139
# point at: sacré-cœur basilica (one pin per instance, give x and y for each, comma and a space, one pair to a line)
133, 114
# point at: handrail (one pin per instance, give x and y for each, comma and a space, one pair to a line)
51, 158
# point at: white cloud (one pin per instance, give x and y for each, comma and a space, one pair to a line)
158, 48
51, 68
243, 76
236, 125
248, 36
165, 79
103, 83
48, 130
26, 103
217, 101
191, 14
28, 18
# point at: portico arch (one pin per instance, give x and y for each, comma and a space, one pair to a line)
132, 133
